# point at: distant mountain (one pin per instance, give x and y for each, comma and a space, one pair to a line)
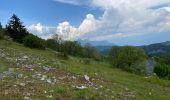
151, 50
103, 49
95, 43
157, 48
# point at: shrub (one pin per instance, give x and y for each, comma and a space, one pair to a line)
63, 56
131, 59
33, 41
1, 36
87, 61
161, 70
52, 44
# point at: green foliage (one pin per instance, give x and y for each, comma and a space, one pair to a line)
2, 34
52, 44
87, 61
161, 70
63, 56
0, 26
91, 52
15, 29
71, 48
129, 58
33, 41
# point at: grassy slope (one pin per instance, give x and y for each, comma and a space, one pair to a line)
114, 83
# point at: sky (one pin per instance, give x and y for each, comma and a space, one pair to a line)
121, 22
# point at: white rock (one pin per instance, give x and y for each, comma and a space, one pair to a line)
20, 75
49, 96
22, 84
25, 57
27, 98
49, 81
82, 87
86, 77
44, 77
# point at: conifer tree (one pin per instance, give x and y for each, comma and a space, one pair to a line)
16, 29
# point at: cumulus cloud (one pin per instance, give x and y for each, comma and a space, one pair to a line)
42, 31
121, 18
68, 32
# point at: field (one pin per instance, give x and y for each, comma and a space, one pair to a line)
43, 75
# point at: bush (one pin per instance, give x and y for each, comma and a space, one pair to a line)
33, 41
129, 58
87, 61
52, 44
1, 34
63, 56
161, 70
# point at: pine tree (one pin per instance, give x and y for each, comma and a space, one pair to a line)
15, 29
0, 25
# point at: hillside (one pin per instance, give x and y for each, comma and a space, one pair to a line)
40, 74
157, 48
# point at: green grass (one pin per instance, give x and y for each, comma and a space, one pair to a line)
115, 83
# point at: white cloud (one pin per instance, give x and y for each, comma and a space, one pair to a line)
42, 31
69, 32
121, 18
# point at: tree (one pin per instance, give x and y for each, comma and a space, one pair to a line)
91, 52
161, 70
33, 41
57, 38
15, 29
0, 25
52, 44
129, 58
72, 48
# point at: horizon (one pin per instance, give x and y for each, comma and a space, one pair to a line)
120, 22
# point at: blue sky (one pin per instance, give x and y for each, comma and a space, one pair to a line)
122, 22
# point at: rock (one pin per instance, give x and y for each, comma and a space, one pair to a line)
49, 96
46, 68
25, 57
27, 98
20, 75
73, 77
1, 76
11, 69
22, 84
86, 77
81, 87
6, 92
49, 81
55, 80
45, 92
44, 77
